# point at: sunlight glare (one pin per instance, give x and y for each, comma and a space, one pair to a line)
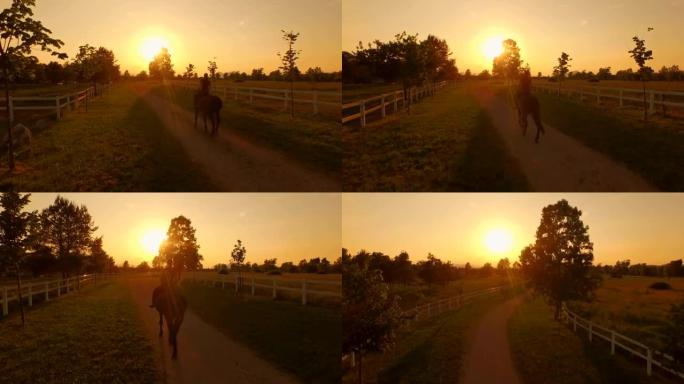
493, 47
151, 240
498, 240
152, 46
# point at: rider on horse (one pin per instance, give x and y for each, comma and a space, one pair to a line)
205, 84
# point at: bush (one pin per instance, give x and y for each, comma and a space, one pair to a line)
660, 286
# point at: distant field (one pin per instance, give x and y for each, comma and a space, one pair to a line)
298, 85
543, 348
44, 90
631, 308
352, 92
658, 85
447, 143
93, 335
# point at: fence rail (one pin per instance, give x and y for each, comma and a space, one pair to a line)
305, 288
71, 101
616, 340
50, 289
654, 98
381, 103
315, 98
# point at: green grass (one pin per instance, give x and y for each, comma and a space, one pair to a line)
302, 340
91, 336
118, 145
546, 351
654, 151
447, 144
430, 351
313, 139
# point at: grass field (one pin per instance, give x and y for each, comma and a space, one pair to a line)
119, 145
353, 92
546, 351
654, 151
90, 336
677, 86
288, 335
631, 308
314, 140
298, 85
44, 90
430, 351
446, 144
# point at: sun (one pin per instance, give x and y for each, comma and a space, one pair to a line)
493, 47
151, 46
151, 240
498, 241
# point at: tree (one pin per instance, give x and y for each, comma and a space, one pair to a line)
189, 71
212, 68
238, 255
641, 55
15, 235
67, 231
143, 267
258, 74
99, 261
289, 62
95, 65
180, 251
559, 264
19, 33
562, 69
370, 315
508, 64
162, 67
467, 270
604, 74
125, 266
503, 266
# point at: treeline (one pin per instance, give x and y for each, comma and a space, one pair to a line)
312, 74
404, 59
401, 270
270, 266
672, 73
674, 268
58, 239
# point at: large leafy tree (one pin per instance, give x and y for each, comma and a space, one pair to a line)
562, 69
370, 315
16, 226
96, 65
508, 64
180, 251
19, 34
162, 67
98, 259
67, 230
641, 55
559, 263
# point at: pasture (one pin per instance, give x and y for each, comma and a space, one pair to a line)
447, 143
93, 335
298, 85
543, 348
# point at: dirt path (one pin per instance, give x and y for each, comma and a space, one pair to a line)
205, 355
488, 360
233, 163
558, 163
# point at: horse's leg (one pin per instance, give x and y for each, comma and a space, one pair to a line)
161, 325
540, 127
174, 343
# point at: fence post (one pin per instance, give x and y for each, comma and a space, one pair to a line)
363, 113
252, 286
304, 292
621, 102
274, 289
47, 290
4, 301
591, 330
384, 112
598, 96
395, 102
30, 295
612, 342
651, 102
353, 359
251, 95
68, 283
225, 93
649, 361
236, 93
59, 112
315, 102
11, 109
223, 282
237, 285
59, 288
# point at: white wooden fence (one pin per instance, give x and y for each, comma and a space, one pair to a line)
654, 98
616, 340
305, 288
56, 104
315, 98
50, 289
387, 101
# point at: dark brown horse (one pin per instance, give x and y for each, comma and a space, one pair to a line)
171, 305
210, 107
527, 104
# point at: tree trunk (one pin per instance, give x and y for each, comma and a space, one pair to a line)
360, 370
643, 83
21, 299
10, 145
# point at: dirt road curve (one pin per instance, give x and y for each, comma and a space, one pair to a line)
233, 163
488, 360
205, 355
558, 163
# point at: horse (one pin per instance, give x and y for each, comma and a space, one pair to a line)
170, 304
210, 107
527, 104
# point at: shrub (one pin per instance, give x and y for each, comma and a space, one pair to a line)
660, 286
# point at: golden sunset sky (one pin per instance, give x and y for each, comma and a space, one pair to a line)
594, 33
241, 34
457, 227
289, 227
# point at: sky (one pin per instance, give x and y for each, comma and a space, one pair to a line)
289, 227
594, 33
639, 227
241, 34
